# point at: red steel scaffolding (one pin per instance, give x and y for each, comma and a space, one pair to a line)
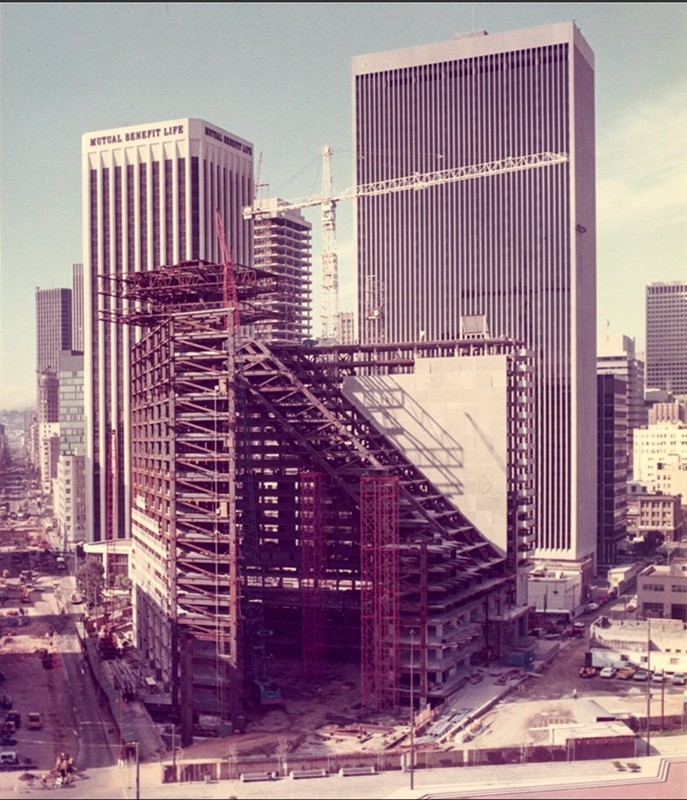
380, 591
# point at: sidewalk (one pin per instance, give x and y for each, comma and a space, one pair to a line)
653, 781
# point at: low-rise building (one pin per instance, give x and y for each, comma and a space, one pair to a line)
655, 513
558, 589
653, 644
662, 591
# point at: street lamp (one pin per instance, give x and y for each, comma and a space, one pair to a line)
412, 709
648, 686
138, 773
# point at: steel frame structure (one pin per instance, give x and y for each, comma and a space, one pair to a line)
417, 555
313, 571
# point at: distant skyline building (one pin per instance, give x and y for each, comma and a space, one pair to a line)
518, 249
346, 327
666, 337
70, 486
149, 197
71, 405
48, 425
53, 327
282, 245
77, 307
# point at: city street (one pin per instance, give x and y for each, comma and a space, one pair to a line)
73, 720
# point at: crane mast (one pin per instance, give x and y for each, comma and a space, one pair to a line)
330, 261
417, 181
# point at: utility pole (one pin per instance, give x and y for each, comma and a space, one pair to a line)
138, 774
663, 697
412, 710
648, 686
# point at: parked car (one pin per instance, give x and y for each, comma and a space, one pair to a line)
15, 717
34, 721
678, 679
640, 675
625, 673
608, 672
657, 677
9, 758
587, 672
591, 607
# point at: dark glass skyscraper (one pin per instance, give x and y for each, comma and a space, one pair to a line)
518, 247
666, 337
53, 327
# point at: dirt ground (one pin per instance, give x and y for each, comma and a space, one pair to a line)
318, 718
323, 719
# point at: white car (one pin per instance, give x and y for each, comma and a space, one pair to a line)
608, 672
591, 607
678, 679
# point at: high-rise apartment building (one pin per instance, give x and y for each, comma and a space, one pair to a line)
282, 246
149, 198
518, 248
666, 337
53, 327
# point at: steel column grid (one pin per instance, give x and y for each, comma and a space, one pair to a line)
313, 566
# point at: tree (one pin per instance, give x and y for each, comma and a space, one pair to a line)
90, 581
123, 582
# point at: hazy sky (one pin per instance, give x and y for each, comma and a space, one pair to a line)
278, 74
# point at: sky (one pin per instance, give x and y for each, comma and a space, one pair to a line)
279, 75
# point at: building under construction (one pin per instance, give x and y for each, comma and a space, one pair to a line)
299, 499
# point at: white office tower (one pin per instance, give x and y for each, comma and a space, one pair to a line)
518, 247
149, 198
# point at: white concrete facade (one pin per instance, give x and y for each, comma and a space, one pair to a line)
70, 499
49, 451
451, 418
660, 457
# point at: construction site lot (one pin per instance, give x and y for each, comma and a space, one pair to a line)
505, 708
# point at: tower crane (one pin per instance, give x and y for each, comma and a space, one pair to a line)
262, 209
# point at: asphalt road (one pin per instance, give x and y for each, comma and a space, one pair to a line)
65, 695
